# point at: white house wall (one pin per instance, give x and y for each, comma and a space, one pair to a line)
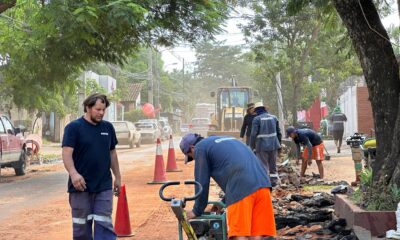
348, 105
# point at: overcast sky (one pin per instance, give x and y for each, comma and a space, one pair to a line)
173, 58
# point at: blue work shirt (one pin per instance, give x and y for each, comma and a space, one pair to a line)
92, 158
232, 165
265, 133
307, 138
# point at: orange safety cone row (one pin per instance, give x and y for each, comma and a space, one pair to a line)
171, 162
159, 170
122, 222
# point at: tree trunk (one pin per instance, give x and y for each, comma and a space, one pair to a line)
381, 72
5, 6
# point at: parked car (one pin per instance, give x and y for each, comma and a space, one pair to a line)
127, 134
158, 124
12, 147
148, 131
166, 129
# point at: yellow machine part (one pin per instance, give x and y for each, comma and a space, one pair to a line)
370, 143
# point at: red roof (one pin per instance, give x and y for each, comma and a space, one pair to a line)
133, 91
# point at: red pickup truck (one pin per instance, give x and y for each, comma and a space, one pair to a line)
12, 147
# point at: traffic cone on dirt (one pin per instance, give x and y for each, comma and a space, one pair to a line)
159, 170
171, 162
122, 225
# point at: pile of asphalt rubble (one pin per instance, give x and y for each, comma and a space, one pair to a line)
300, 215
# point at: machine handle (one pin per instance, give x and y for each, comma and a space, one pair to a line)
169, 199
161, 192
197, 194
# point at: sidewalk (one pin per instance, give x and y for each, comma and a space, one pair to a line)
51, 148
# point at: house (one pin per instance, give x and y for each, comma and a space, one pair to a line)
131, 99
355, 104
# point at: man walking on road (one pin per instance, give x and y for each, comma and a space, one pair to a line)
313, 148
265, 140
240, 175
247, 123
89, 154
338, 118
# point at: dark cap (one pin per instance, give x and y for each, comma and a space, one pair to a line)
187, 141
290, 130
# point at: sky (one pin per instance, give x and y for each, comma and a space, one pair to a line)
174, 58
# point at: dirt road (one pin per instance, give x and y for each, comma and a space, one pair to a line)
36, 206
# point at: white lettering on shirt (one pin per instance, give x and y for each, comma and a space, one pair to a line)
223, 139
104, 133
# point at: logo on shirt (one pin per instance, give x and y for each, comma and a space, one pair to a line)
223, 139
104, 133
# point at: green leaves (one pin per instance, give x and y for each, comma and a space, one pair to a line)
49, 44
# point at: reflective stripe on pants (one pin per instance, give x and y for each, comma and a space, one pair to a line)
87, 207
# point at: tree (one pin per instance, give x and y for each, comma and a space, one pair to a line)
45, 43
381, 72
291, 38
310, 45
216, 66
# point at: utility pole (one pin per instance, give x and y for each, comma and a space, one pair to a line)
280, 102
150, 76
157, 75
82, 94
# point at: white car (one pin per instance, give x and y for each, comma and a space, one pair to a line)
149, 131
127, 134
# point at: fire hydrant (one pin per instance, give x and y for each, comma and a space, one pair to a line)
355, 141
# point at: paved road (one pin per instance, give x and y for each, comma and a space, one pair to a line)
36, 190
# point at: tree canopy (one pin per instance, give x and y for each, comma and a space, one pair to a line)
44, 44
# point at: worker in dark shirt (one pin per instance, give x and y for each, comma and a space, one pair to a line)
313, 148
240, 175
338, 118
247, 122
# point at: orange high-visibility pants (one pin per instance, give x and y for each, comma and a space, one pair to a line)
317, 152
252, 216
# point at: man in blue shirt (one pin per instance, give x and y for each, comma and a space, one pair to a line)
313, 148
265, 139
240, 175
89, 154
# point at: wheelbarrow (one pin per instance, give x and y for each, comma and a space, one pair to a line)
208, 226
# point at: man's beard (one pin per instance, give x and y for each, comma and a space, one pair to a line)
95, 120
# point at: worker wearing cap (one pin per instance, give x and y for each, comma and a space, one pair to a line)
247, 123
265, 140
240, 175
313, 148
338, 118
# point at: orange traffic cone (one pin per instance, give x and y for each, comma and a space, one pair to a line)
171, 162
122, 223
159, 170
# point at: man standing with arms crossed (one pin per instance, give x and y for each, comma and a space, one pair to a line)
265, 140
240, 175
88, 154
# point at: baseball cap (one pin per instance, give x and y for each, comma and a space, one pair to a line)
187, 141
290, 130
